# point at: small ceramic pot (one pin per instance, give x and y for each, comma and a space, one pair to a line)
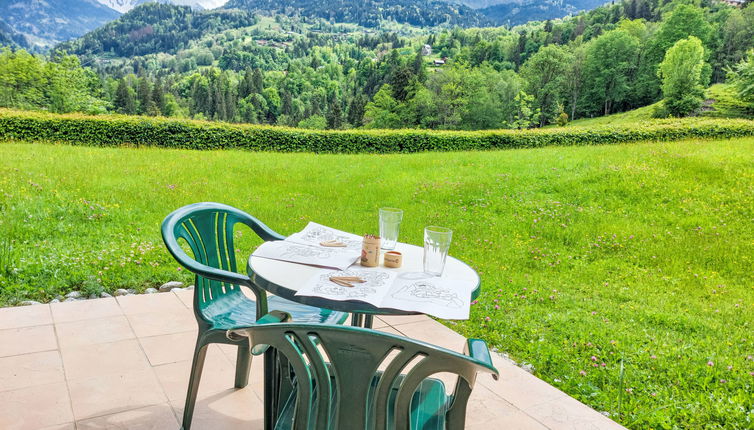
393, 259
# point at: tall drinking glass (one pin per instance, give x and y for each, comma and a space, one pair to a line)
436, 246
390, 226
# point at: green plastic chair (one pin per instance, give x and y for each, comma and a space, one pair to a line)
219, 303
330, 377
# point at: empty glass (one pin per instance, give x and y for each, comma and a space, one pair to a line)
436, 246
390, 226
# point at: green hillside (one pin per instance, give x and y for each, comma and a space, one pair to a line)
721, 102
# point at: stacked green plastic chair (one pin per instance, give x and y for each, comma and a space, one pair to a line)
219, 302
347, 378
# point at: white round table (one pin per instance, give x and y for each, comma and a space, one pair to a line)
284, 278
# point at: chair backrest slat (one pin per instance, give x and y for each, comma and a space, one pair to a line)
341, 382
208, 230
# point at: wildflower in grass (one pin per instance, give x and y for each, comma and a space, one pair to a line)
497, 307
723, 381
730, 367
653, 357
475, 302
594, 358
653, 394
603, 364
582, 372
487, 318
710, 363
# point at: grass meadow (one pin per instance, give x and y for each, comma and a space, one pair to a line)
621, 274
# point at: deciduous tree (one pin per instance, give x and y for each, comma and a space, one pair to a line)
681, 72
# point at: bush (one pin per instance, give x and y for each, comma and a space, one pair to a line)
123, 130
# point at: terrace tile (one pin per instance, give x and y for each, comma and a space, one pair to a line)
227, 410
35, 407
29, 370
66, 426
93, 331
104, 359
186, 297
25, 316
568, 413
395, 320
169, 348
112, 393
487, 411
161, 323
433, 332
156, 417
85, 310
150, 303
25, 340
125, 364
218, 375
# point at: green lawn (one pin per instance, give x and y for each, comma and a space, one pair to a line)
592, 258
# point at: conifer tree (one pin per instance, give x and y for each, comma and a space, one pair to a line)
335, 116
158, 96
144, 93
124, 99
257, 81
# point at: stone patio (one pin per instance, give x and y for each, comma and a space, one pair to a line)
124, 363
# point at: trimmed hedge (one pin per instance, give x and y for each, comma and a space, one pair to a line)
120, 130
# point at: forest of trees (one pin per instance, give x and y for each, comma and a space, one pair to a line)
612, 59
369, 13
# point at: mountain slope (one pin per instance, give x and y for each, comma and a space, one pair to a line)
422, 13
514, 12
46, 22
8, 37
155, 27
124, 6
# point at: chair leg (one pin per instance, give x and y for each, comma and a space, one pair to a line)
243, 365
200, 353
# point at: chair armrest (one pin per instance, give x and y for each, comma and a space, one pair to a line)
477, 349
273, 317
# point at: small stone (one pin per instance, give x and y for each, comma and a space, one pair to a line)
170, 285
92, 296
54, 301
73, 295
60, 298
131, 291
189, 288
104, 294
70, 299
29, 303
121, 292
151, 291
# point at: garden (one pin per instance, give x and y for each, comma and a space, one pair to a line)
620, 274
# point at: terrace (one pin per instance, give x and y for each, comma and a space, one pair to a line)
124, 363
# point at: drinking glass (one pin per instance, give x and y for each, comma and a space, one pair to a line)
390, 226
436, 245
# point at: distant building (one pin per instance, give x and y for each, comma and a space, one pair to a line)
426, 50
439, 62
736, 3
